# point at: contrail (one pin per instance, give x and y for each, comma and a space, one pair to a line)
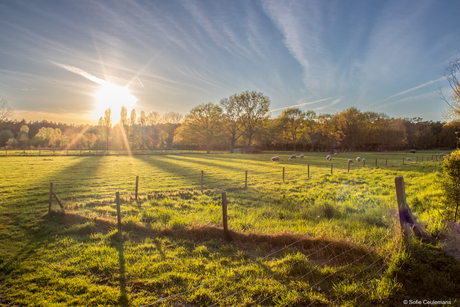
407, 91
139, 81
81, 72
301, 104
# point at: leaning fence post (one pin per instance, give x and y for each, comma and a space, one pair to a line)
224, 215
51, 196
246, 179
202, 182
402, 207
137, 186
118, 214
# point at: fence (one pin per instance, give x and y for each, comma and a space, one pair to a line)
372, 269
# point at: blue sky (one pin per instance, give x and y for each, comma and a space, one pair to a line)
383, 56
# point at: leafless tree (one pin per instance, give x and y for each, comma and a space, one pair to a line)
451, 73
5, 111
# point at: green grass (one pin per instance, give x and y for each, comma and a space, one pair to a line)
323, 240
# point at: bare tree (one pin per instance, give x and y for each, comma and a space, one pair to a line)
5, 111
451, 73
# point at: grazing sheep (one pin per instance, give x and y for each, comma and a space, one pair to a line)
293, 156
408, 159
301, 156
358, 159
289, 159
327, 157
364, 160
335, 154
351, 161
276, 158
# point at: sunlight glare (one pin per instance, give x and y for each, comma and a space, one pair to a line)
113, 96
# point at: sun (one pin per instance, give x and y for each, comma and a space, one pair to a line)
114, 97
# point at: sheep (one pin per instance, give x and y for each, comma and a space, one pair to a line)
289, 159
327, 157
364, 160
293, 156
335, 154
301, 156
408, 159
351, 161
276, 158
358, 159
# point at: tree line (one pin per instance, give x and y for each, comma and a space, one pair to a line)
240, 121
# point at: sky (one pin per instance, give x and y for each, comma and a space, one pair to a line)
66, 61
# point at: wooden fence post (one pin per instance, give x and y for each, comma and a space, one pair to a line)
283, 173
51, 197
348, 166
137, 186
246, 179
375, 162
202, 182
331, 167
224, 215
402, 207
118, 214
308, 170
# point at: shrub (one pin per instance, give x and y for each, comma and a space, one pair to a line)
451, 180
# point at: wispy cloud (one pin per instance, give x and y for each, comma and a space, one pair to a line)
329, 105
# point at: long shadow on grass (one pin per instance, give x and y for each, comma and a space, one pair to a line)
276, 246
195, 171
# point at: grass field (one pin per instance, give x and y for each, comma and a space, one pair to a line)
327, 240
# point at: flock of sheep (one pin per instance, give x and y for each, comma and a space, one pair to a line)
328, 157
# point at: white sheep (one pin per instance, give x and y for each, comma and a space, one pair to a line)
364, 160
327, 157
335, 154
358, 159
351, 161
289, 159
408, 159
293, 156
276, 158
301, 156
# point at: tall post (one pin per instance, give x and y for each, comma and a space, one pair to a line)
51, 196
364, 163
246, 179
202, 182
224, 215
137, 185
118, 214
331, 167
375, 162
402, 207
283, 173
348, 166
308, 170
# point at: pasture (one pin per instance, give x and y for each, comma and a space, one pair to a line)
321, 239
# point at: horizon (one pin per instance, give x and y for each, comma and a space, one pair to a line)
58, 59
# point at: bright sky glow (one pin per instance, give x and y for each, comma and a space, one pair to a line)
383, 56
114, 97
